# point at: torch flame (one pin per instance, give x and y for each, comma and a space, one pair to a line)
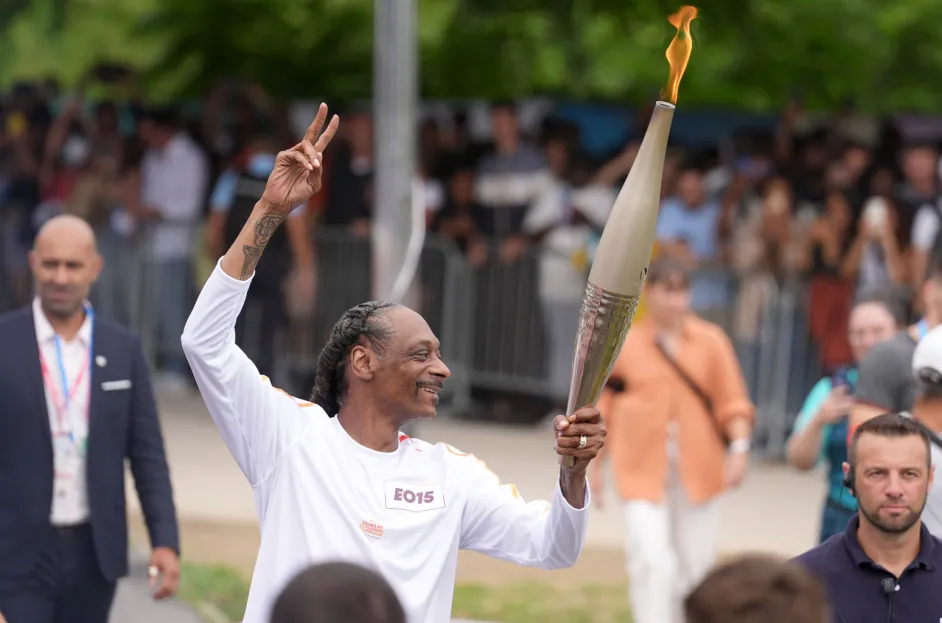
678, 52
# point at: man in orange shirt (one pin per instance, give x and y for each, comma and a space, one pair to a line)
679, 423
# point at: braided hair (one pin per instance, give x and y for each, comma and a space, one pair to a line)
362, 321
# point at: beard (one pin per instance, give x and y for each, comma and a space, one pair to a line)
893, 525
63, 310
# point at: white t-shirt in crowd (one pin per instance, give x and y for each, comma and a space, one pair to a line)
925, 228
321, 496
174, 181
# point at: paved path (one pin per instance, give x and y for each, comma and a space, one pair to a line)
133, 603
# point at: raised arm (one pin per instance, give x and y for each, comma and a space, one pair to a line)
257, 421
499, 523
824, 405
294, 180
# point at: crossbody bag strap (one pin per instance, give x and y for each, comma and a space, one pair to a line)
695, 388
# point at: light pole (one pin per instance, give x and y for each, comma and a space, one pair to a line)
395, 99
395, 233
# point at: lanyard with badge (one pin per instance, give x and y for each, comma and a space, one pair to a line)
922, 328
64, 426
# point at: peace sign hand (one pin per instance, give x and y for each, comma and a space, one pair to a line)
298, 171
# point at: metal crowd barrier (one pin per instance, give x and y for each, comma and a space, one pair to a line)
442, 293
780, 366
490, 320
15, 280
510, 345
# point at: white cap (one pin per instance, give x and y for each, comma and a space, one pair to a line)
927, 359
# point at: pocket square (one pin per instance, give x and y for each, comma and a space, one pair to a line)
110, 386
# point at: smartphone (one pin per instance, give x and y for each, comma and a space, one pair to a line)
876, 212
841, 378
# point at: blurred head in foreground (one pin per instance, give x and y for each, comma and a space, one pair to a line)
337, 592
757, 588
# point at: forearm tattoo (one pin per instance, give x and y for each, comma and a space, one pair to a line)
264, 229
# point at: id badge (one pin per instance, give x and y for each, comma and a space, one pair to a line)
67, 457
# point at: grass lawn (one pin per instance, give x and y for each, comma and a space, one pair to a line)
220, 587
227, 590
532, 603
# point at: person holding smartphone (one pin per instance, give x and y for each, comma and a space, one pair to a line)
876, 259
821, 429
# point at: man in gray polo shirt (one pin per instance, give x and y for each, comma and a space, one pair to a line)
885, 381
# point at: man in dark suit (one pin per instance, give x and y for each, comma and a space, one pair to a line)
75, 402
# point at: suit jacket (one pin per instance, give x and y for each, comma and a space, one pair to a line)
123, 424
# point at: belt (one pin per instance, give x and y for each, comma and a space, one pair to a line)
73, 528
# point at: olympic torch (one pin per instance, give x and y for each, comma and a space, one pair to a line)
624, 252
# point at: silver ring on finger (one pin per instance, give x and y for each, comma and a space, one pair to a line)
582, 441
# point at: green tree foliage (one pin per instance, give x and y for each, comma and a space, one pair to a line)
293, 48
91, 31
747, 54
10, 8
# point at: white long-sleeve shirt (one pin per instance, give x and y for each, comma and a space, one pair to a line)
321, 496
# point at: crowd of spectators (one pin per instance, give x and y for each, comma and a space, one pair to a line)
821, 207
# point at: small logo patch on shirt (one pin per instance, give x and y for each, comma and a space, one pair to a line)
372, 530
413, 497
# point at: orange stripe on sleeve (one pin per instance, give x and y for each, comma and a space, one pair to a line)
301, 403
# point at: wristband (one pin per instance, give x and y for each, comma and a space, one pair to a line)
740, 446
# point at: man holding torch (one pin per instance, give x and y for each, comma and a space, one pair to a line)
334, 478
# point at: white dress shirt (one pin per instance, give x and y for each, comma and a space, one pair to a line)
67, 422
321, 496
